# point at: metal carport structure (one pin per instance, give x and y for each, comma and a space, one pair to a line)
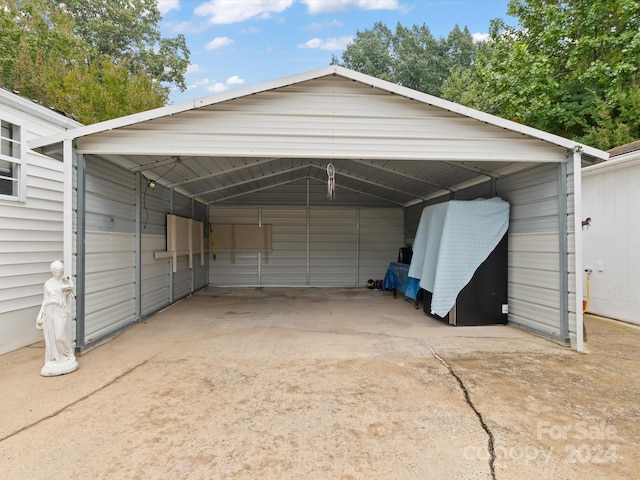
259, 154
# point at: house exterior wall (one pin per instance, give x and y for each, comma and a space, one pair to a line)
31, 230
611, 196
312, 246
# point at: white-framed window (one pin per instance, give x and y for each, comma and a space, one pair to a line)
11, 178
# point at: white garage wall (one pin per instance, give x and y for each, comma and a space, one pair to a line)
287, 264
156, 276
111, 250
110, 243
534, 276
315, 246
534, 250
381, 236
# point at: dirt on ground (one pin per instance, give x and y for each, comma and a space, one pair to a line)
324, 384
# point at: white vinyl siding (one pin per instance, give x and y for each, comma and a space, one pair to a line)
31, 221
611, 196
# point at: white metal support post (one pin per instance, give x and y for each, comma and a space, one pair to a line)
67, 207
577, 228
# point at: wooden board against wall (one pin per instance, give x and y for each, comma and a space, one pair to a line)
185, 236
240, 238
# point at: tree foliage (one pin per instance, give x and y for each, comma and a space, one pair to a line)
45, 56
128, 31
570, 67
411, 57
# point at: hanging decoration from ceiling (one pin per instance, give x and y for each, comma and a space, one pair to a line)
331, 181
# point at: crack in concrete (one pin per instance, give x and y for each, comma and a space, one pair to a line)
485, 427
75, 402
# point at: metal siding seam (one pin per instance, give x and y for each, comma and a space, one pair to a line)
81, 253
357, 273
563, 255
172, 262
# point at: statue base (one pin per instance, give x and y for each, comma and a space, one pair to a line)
53, 369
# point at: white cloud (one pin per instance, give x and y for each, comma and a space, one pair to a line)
480, 37
232, 11
324, 6
165, 6
194, 68
336, 43
235, 80
318, 26
217, 87
217, 43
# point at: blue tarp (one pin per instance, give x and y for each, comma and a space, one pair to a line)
452, 241
397, 278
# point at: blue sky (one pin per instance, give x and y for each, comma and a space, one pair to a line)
236, 43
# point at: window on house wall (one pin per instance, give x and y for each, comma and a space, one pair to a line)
10, 160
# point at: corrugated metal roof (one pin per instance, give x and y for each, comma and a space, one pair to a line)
390, 145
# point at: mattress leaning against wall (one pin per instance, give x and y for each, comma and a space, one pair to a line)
452, 240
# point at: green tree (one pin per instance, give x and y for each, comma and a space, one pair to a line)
128, 31
43, 57
569, 67
411, 57
370, 53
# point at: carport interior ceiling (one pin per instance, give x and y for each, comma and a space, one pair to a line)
389, 145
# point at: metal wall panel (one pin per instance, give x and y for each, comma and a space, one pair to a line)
155, 275
287, 264
380, 236
328, 117
200, 272
333, 247
316, 246
182, 205
534, 249
411, 220
182, 278
296, 193
155, 205
109, 283
110, 244
111, 197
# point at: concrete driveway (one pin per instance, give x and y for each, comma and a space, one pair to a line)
324, 384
